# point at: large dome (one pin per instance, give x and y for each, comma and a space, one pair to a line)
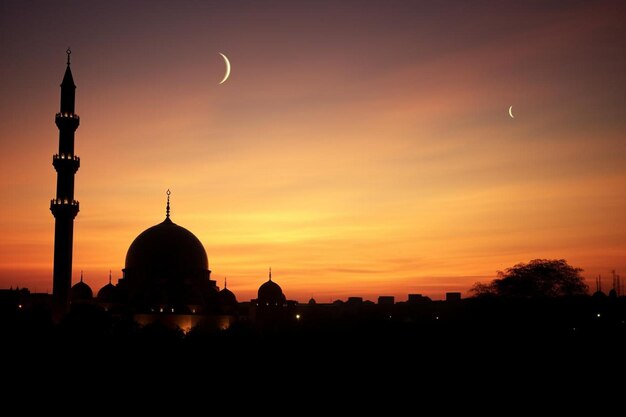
167, 267
167, 247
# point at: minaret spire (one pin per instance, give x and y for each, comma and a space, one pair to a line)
63, 206
270, 273
167, 208
225, 283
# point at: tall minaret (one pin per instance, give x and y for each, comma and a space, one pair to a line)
64, 207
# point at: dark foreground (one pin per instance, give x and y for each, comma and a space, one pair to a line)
496, 334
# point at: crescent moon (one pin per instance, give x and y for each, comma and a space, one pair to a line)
227, 74
511, 112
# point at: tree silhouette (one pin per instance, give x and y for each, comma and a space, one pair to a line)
537, 278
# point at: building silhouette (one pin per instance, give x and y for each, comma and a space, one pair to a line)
270, 294
64, 207
166, 279
81, 292
167, 268
271, 307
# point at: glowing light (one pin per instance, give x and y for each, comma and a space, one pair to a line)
598, 314
19, 306
297, 316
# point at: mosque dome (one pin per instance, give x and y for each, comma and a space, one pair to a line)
227, 297
108, 293
81, 291
168, 248
226, 300
270, 293
166, 265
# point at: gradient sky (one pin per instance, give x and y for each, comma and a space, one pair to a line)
359, 147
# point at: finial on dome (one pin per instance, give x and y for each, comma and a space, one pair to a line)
109, 276
68, 52
224, 282
270, 273
81, 276
167, 209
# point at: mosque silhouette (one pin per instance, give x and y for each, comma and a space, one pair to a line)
166, 277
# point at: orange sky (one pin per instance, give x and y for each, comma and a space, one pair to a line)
359, 148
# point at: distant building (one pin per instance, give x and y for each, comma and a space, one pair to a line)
453, 296
271, 307
13, 299
270, 294
355, 301
417, 298
386, 300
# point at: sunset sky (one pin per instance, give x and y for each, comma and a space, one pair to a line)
359, 147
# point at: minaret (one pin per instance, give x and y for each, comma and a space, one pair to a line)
64, 207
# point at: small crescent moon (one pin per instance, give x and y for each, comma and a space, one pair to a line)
227, 68
511, 112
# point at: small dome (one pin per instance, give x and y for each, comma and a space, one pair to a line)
108, 293
226, 297
312, 301
81, 291
270, 293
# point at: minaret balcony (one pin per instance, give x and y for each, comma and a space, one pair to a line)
66, 161
63, 201
67, 115
60, 206
66, 156
67, 120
